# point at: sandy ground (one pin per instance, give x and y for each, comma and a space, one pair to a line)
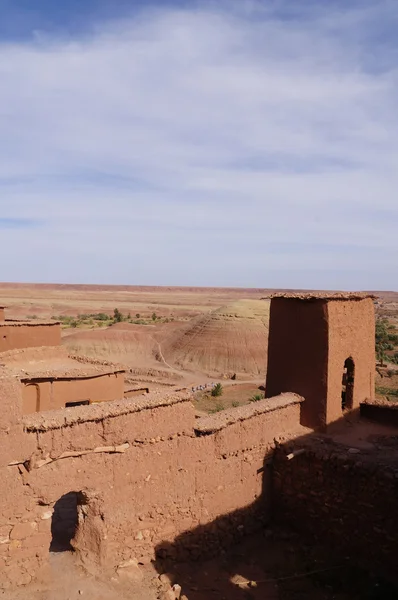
48, 300
271, 565
66, 581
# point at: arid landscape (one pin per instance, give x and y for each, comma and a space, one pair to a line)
212, 343
170, 337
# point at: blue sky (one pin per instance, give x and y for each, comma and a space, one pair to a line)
199, 143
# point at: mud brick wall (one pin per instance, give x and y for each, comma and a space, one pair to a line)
145, 471
14, 335
341, 501
386, 414
51, 394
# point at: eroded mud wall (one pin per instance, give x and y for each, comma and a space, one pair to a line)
144, 478
341, 502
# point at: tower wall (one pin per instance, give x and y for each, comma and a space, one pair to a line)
297, 355
351, 327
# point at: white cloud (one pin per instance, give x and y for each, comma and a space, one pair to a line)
226, 147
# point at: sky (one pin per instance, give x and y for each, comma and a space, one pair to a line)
246, 143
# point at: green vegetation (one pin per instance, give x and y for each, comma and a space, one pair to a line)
217, 408
117, 316
388, 392
386, 341
256, 398
104, 320
217, 390
235, 403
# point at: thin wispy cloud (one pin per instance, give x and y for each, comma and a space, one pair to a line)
245, 143
17, 223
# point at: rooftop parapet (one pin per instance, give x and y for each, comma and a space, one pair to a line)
321, 296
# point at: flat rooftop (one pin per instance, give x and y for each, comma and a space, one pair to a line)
311, 296
31, 323
52, 363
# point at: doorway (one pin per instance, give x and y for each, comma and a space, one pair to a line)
64, 522
347, 392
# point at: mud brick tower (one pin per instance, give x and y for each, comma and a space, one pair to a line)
322, 347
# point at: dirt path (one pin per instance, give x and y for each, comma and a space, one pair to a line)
162, 358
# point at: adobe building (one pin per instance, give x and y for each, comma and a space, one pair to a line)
322, 347
31, 352
50, 378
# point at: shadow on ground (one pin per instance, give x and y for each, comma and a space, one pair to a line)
247, 555
274, 564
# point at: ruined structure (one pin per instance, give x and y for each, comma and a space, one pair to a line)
139, 475
322, 347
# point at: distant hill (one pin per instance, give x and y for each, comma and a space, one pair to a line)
230, 339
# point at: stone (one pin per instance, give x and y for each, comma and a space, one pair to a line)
168, 595
23, 530
130, 570
354, 451
240, 581
177, 591
45, 526
167, 579
5, 534
46, 515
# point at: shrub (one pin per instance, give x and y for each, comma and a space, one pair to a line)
218, 407
117, 316
101, 317
384, 391
217, 390
256, 398
154, 316
235, 403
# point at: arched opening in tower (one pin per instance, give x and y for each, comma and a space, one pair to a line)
347, 392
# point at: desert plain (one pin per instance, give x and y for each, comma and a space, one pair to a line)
172, 337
